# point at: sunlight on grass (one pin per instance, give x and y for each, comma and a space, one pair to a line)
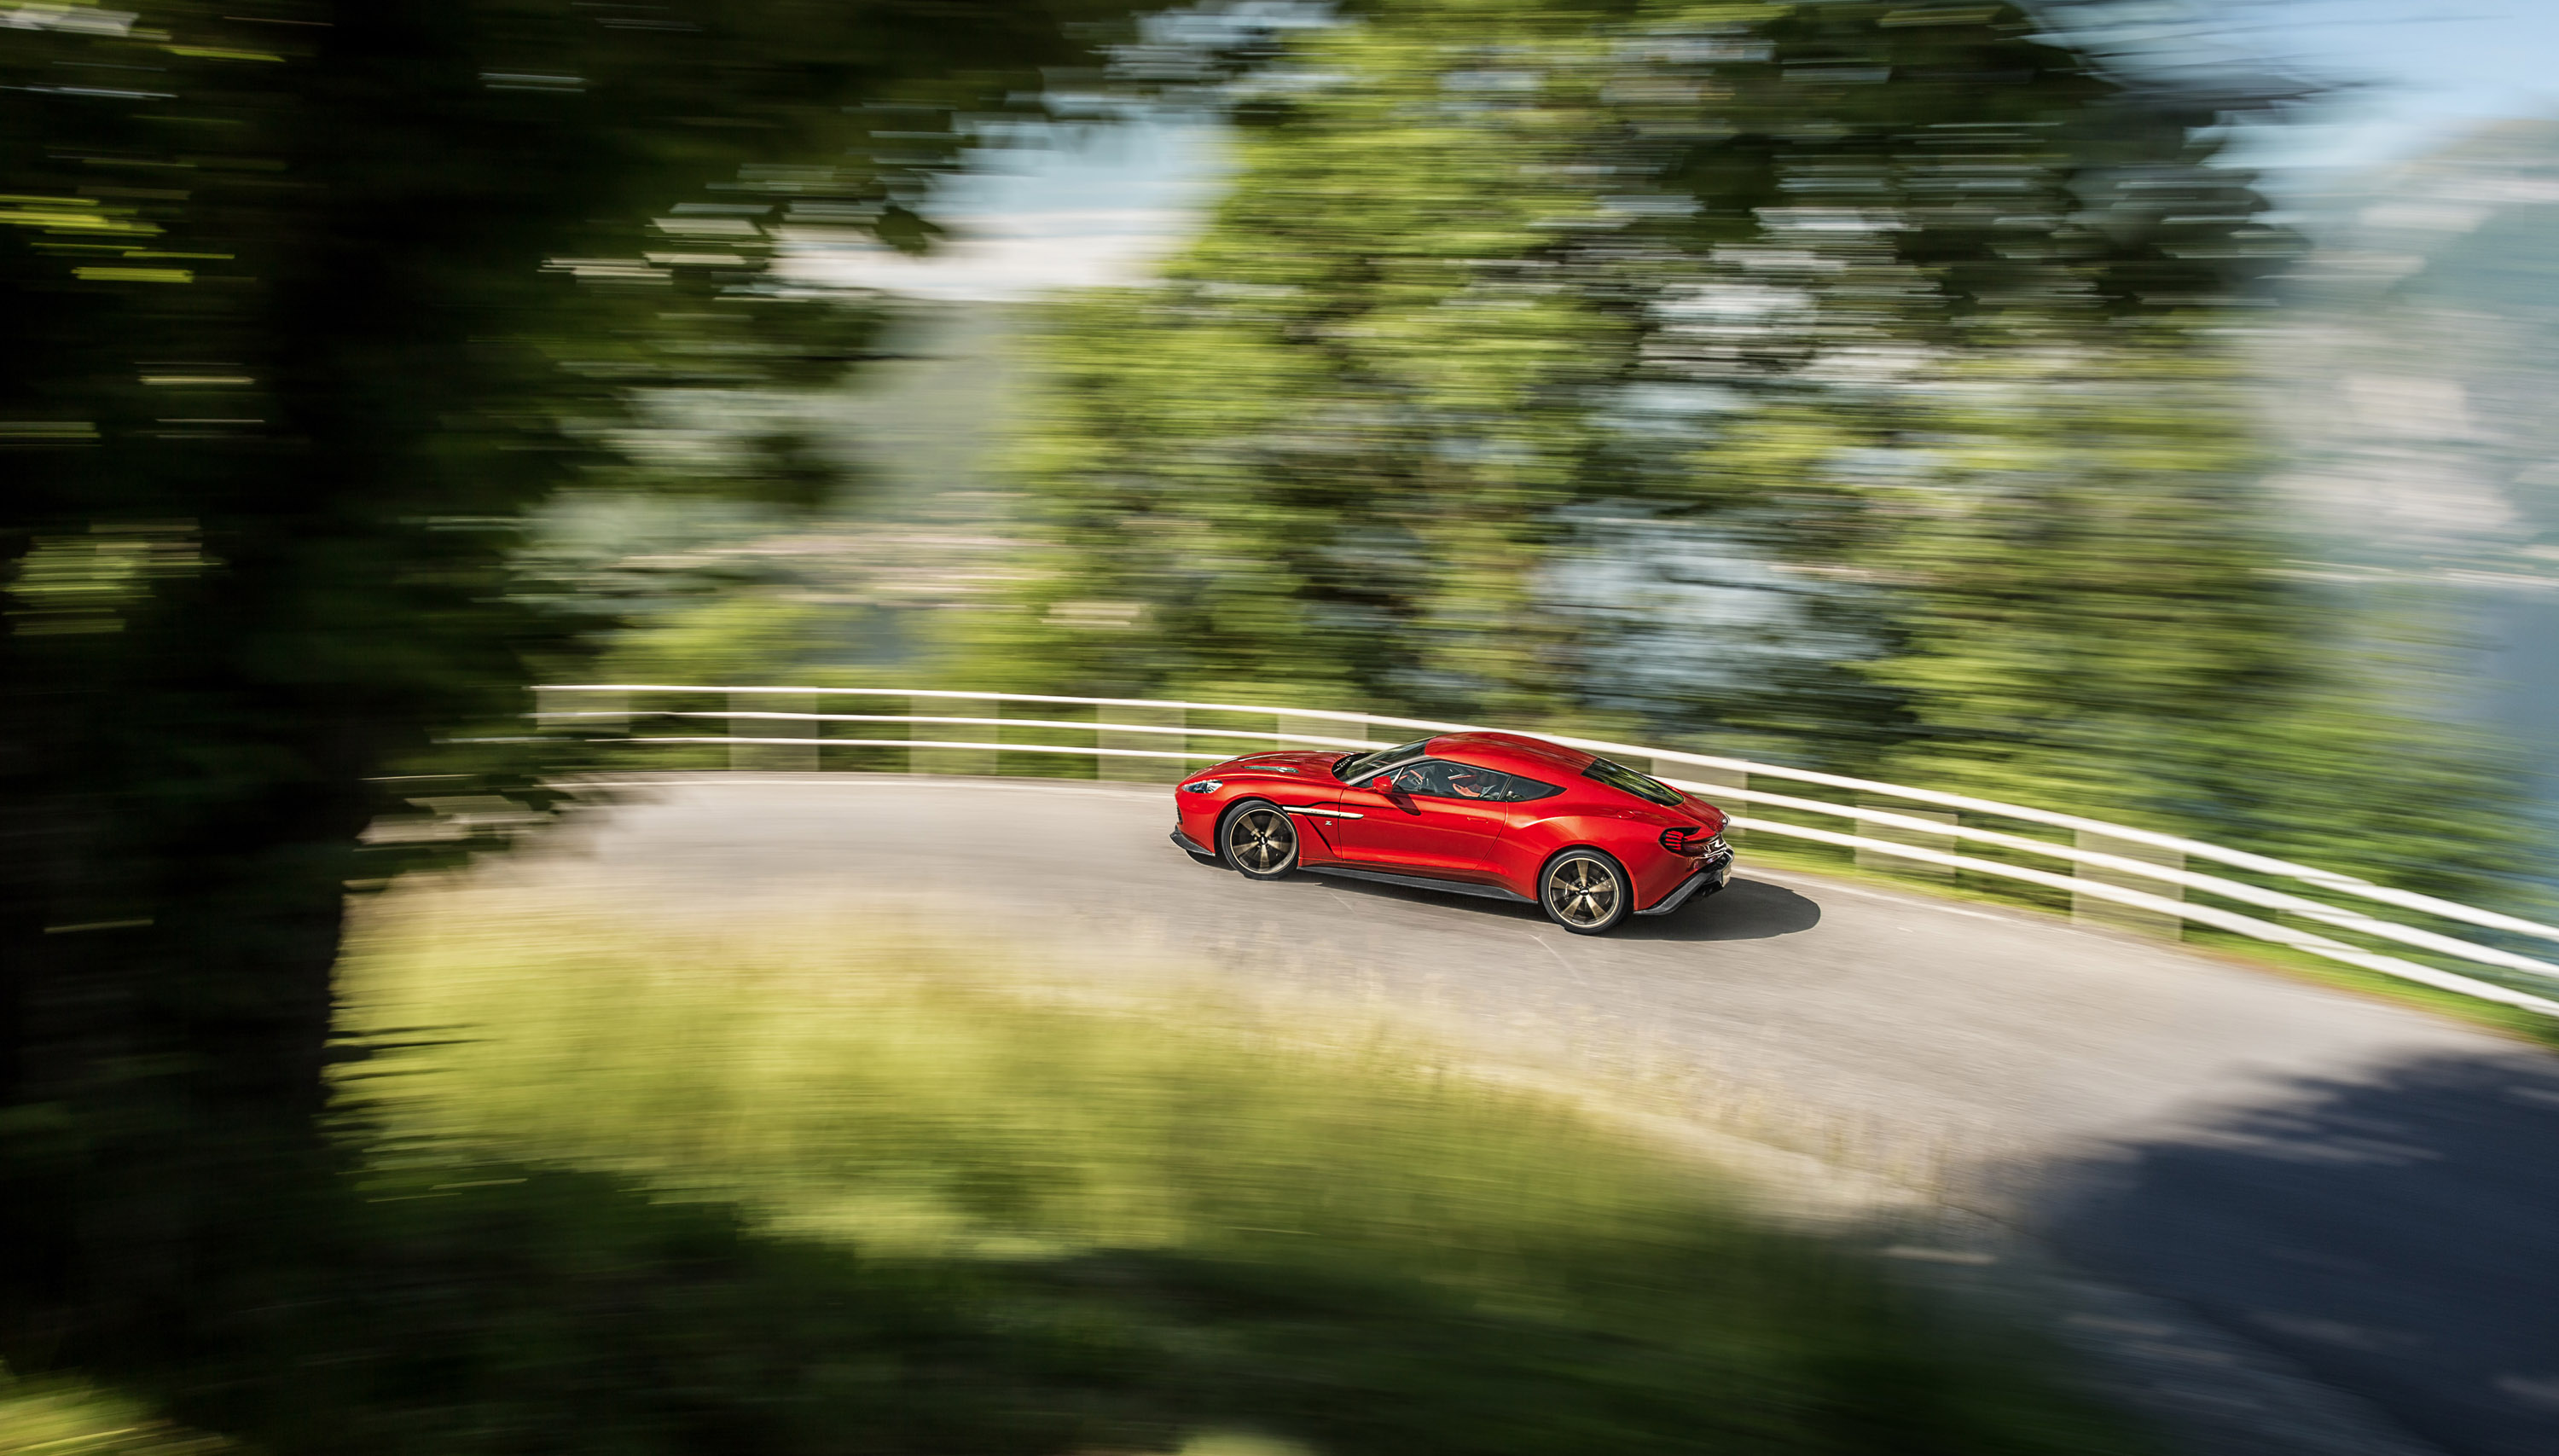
1316, 1229
63, 1417
862, 1074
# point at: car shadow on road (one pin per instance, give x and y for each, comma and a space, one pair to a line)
2398, 1236
1746, 909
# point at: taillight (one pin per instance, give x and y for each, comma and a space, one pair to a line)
1675, 838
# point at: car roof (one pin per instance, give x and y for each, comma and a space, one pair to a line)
1515, 753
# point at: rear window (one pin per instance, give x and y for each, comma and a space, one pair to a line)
1521, 789
1618, 776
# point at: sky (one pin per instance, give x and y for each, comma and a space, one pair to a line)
1103, 205
1094, 205
2420, 74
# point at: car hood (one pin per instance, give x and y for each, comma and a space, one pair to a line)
1293, 764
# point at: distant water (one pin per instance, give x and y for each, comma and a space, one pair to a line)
2518, 687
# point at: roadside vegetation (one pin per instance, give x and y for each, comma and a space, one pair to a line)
67, 1417
737, 1187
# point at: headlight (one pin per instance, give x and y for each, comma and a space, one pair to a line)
1204, 786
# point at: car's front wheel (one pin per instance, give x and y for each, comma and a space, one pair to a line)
1585, 892
1259, 840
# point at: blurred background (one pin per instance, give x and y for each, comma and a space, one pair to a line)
2127, 407
1705, 493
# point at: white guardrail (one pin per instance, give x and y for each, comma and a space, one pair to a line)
2117, 875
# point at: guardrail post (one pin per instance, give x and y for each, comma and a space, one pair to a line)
772, 758
1141, 770
566, 712
963, 761
2090, 910
1885, 859
1313, 728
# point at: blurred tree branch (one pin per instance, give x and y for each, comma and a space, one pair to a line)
304, 305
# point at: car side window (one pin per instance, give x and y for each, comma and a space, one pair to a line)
1441, 778
1413, 778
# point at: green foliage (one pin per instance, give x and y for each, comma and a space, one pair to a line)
1345, 441
741, 636
61, 1417
1351, 405
304, 306
488, 1306
2086, 596
670, 1185
1846, 384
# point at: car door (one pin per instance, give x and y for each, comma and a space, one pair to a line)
1433, 816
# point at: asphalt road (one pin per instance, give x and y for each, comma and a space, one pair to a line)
2311, 1220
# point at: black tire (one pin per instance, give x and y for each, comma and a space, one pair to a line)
1258, 841
1585, 892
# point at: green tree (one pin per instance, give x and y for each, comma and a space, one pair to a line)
1848, 382
1337, 443
304, 304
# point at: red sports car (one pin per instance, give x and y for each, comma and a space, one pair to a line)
1479, 814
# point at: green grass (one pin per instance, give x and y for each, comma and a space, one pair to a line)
630, 1186
876, 1083
64, 1417
1013, 1212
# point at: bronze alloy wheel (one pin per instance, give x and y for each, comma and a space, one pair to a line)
1584, 892
1259, 840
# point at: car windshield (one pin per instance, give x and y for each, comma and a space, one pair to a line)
1618, 776
1361, 765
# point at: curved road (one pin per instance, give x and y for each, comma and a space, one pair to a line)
2288, 1218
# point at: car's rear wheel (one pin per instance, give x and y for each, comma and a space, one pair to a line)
1259, 840
1585, 892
